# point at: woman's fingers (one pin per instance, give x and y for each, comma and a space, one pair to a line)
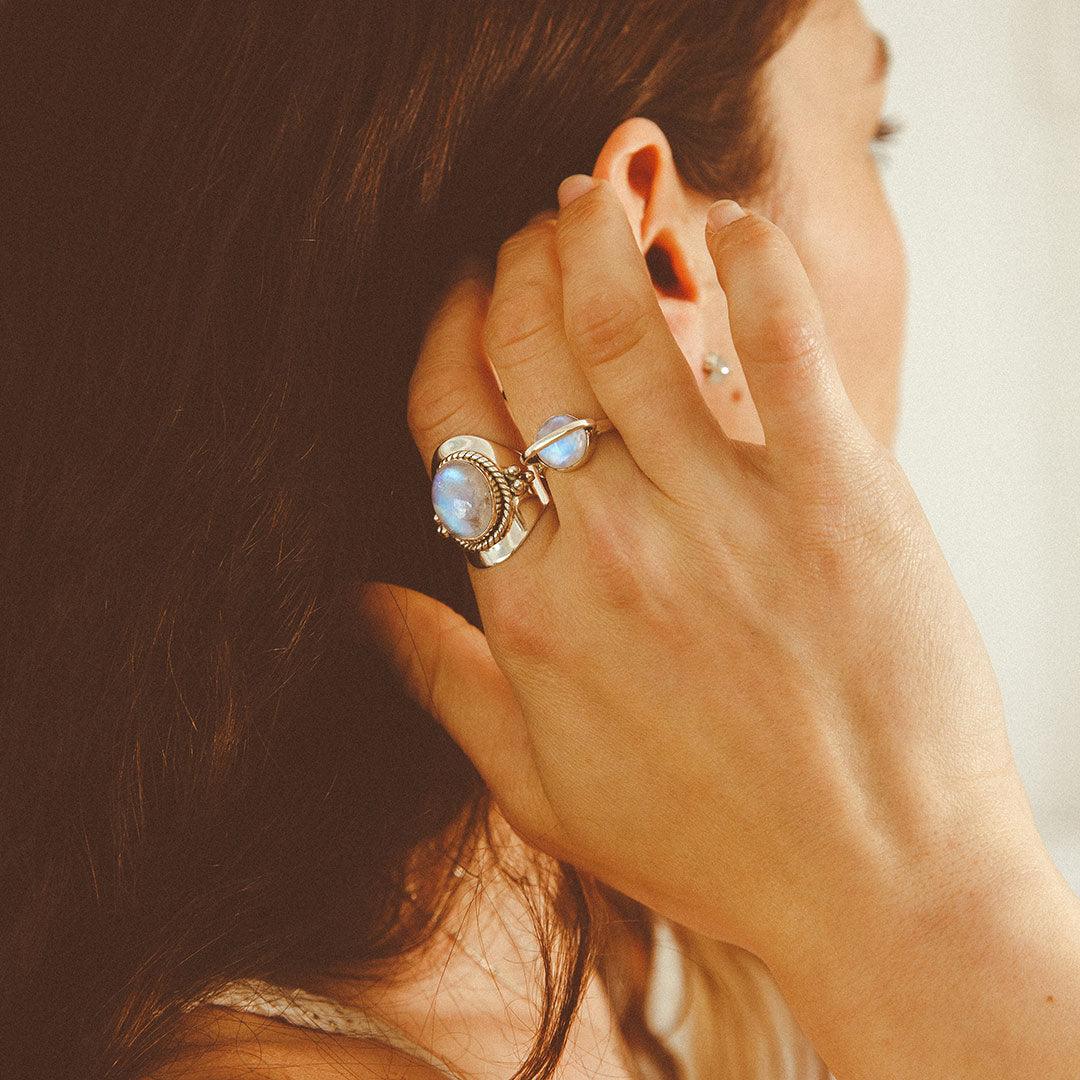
526, 343
524, 334
779, 334
453, 389
619, 337
446, 666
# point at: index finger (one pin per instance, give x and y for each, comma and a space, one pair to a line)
620, 338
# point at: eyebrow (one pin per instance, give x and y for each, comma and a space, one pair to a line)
882, 60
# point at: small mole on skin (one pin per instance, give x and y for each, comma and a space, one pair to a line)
1050, 998
736, 396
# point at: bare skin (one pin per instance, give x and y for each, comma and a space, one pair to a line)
844, 803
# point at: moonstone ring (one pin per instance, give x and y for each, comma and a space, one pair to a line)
485, 497
564, 442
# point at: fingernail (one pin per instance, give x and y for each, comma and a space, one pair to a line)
544, 215
573, 187
724, 213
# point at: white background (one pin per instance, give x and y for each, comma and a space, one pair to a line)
985, 179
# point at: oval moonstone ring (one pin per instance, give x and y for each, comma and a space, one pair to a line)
464, 501
485, 498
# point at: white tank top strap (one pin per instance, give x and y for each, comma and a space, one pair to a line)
314, 1013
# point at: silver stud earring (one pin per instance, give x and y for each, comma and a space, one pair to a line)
714, 368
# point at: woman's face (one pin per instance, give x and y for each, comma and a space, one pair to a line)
824, 93
826, 89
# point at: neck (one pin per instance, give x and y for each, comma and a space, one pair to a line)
474, 995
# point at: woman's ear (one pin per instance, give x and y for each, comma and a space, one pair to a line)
668, 219
637, 161
669, 223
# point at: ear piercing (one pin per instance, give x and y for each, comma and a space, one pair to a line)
714, 368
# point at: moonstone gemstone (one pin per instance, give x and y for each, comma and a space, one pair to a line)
461, 495
566, 452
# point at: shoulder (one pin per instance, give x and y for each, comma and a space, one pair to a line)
223, 1045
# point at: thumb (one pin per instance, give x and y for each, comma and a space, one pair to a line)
446, 667
779, 333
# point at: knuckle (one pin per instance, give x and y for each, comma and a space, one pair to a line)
594, 215
522, 314
789, 336
606, 327
435, 405
517, 626
518, 325
868, 510
758, 235
612, 546
585, 213
751, 236
526, 240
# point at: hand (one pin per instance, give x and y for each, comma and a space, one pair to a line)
770, 632
736, 682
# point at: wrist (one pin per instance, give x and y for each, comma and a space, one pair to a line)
969, 969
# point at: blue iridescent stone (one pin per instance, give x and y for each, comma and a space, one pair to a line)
461, 495
566, 452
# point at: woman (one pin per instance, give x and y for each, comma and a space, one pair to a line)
226, 227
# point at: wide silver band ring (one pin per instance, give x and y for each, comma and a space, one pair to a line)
485, 497
564, 443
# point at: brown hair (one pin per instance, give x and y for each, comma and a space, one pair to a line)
222, 228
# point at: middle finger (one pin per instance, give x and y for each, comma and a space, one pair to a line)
526, 342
